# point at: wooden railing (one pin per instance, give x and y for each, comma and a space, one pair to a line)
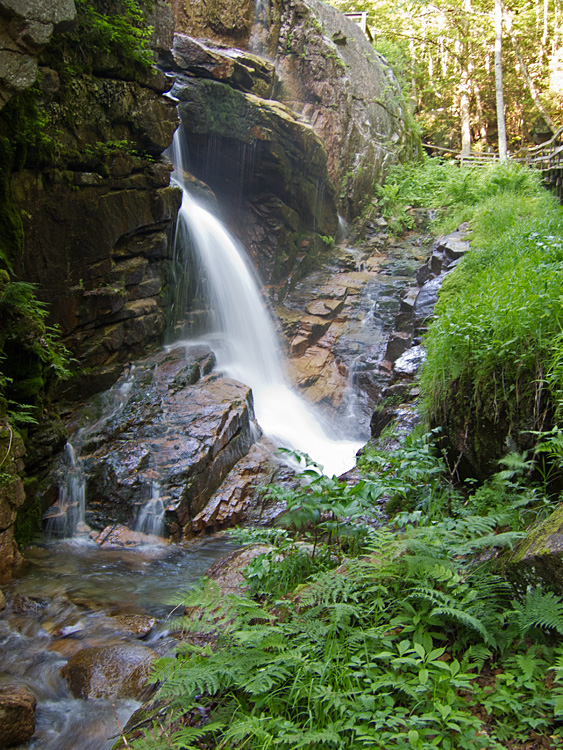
547, 158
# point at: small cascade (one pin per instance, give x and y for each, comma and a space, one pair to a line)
150, 519
241, 332
68, 515
259, 36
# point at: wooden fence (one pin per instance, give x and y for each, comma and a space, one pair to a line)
547, 158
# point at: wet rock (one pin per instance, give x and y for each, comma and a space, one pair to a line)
137, 625
118, 671
538, 559
17, 715
397, 345
2, 600
172, 423
427, 298
122, 537
27, 605
241, 498
410, 361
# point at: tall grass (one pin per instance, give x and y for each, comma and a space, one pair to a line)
495, 349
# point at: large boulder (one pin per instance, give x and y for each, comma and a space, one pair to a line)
17, 715
266, 164
117, 671
174, 423
329, 73
538, 559
332, 75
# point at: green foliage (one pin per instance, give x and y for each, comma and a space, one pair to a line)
415, 643
31, 353
107, 32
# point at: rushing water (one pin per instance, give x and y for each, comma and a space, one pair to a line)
243, 335
68, 594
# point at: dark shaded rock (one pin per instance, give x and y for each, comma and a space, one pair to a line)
25, 29
538, 559
118, 671
137, 625
17, 715
12, 496
427, 298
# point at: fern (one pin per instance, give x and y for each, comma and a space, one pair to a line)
541, 610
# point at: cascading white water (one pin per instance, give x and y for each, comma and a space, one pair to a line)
70, 510
243, 333
150, 519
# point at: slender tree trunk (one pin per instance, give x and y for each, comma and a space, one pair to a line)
524, 68
498, 82
465, 84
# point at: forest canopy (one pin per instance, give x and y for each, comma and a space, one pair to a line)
443, 53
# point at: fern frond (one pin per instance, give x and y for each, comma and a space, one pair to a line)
540, 610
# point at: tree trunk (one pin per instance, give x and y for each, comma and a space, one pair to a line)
524, 68
498, 82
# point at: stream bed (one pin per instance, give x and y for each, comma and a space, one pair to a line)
71, 595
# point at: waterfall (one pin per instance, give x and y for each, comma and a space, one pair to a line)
150, 519
242, 332
69, 513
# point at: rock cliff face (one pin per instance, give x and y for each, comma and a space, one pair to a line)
329, 74
97, 214
332, 75
26, 26
266, 164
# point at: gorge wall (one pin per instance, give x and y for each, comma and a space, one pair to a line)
289, 117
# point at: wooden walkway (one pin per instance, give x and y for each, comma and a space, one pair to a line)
547, 158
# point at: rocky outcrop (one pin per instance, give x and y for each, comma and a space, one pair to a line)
17, 715
173, 423
538, 559
329, 73
26, 26
332, 75
12, 495
97, 223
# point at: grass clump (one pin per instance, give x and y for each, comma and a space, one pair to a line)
414, 641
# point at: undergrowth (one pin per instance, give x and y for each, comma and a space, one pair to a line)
409, 638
